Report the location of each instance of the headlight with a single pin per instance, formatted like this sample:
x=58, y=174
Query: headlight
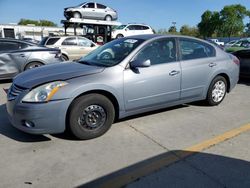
x=44, y=92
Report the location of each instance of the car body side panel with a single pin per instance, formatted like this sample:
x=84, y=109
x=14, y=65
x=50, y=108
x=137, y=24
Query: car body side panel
x=195, y=76
x=151, y=86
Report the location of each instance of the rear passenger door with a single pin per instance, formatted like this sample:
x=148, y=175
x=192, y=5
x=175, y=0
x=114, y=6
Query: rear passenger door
x=69, y=45
x=197, y=63
x=130, y=30
x=100, y=11
x=85, y=46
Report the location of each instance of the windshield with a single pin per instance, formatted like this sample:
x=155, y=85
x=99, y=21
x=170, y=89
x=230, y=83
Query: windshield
x=111, y=53
x=121, y=27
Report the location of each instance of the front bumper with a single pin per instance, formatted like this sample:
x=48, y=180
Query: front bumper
x=47, y=118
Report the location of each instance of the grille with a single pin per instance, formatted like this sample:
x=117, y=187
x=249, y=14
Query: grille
x=14, y=92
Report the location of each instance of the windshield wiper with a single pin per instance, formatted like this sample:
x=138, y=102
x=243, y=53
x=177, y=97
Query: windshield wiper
x=84, y=62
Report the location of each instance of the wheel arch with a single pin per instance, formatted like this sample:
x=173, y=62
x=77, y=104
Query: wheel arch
x=32, y=61
x=105, y=93
x=65, y=54
x=227, y=79
x=109, y=16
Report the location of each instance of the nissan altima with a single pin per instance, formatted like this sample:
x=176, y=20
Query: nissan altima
x=124, y=77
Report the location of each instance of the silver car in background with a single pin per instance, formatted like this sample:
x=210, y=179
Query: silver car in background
x=17, y=56
x=91, y=10
x=142, y=73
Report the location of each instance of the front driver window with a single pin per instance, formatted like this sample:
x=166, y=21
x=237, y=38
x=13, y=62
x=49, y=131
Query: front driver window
x=158, y=52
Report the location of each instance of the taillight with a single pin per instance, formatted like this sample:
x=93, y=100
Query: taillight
x=235, y=59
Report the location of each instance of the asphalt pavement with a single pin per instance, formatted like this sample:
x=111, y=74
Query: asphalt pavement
x=150, y=150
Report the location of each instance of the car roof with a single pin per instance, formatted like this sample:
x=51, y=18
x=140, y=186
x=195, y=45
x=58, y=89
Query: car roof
x=16, y=40
x=151, y=36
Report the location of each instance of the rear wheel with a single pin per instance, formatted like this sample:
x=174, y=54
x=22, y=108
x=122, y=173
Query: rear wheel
x=90, y=116
x=64, y=57
x=108, y=18
x=217, y=91
x=32, y=65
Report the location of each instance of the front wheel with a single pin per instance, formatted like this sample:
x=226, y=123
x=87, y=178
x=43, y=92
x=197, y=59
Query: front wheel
x=217, y=91
x=90, y=116
x=77, y=15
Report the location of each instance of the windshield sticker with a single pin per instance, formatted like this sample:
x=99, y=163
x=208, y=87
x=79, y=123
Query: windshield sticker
x=132, y=41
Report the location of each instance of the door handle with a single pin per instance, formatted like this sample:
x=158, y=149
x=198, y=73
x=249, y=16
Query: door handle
x=22, y=55
x=212, y=64
x=174, y=72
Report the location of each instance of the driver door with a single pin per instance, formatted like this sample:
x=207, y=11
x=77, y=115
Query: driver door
x=157, y=84
x=88, y=11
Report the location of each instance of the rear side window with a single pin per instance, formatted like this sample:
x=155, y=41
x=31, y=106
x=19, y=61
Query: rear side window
x=192, y=49
x=131, y=27
x=70, y=42
x=145, y=27
x=6, y=46
x=101, y=6
x=52, y=41
x=84, y=42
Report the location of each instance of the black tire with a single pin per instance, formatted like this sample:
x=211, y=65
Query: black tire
x=64, y=57
x=108, y=18
x=32, y=65
x=119, y=36
x=90, y=116
x=211, y=99
x=77, y=15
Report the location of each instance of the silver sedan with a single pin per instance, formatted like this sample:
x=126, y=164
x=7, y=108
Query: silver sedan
x=127, y=76
x=17, y=56
x=91, y=10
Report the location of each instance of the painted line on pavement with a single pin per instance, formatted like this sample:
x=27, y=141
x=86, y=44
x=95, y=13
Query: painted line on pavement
x=134, y=172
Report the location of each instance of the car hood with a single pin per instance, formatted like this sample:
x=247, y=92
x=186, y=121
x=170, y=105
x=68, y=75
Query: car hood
x=55, y=72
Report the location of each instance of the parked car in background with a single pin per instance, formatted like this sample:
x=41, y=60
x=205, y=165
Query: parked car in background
x=217, y=42
x=244, y=57
x=30, y=40
x=91, y=10
x=231, y=43
x=145, y=73
x=72, y=47
x=240, y=45
x=131, y=29
x=17, y=56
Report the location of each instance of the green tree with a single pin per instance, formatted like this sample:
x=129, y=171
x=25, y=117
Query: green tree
x=47, y=23
x=172, y=29
x=162, y=31
x=232, y=20
x=36, y=23
x=209, y=24
x=247, y=31
x=189, y=31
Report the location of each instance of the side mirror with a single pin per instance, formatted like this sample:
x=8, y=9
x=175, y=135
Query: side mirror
x=142, y=64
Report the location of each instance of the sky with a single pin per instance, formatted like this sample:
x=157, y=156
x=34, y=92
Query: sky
x=156, y=13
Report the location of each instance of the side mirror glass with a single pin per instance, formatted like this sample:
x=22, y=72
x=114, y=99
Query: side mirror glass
x=137, y=63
